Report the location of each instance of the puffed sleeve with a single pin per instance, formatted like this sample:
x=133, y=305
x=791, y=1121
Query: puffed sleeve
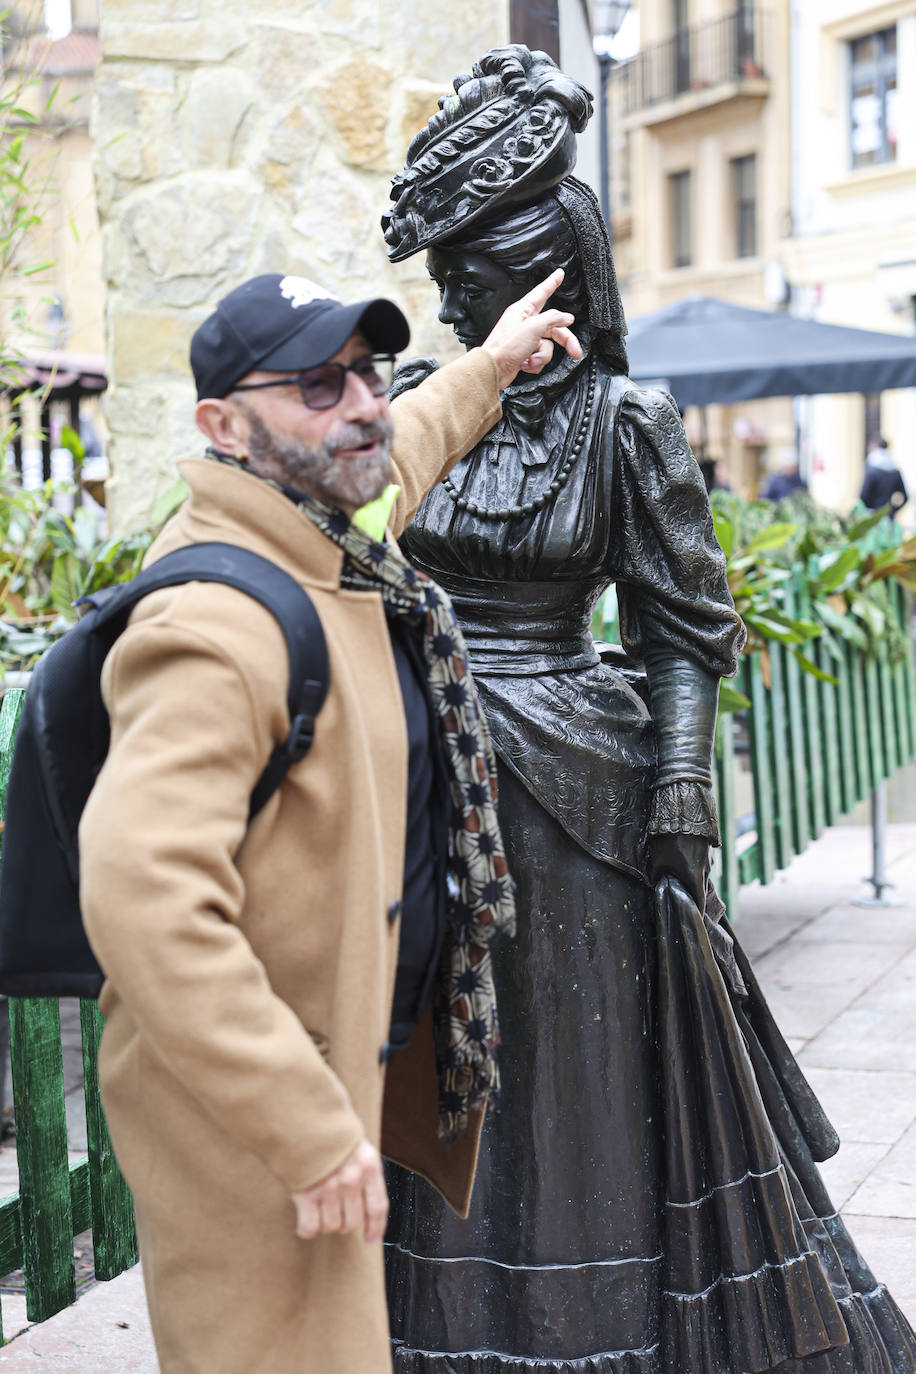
x=669, y=569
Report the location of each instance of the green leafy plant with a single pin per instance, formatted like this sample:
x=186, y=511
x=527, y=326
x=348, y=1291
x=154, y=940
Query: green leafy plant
x=845, y=562
x=49, y=559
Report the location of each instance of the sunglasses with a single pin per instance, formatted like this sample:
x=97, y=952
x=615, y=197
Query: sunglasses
x=322, y=387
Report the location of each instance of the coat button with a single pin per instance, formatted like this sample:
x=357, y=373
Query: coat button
x=394, y=912
x=384, y=1053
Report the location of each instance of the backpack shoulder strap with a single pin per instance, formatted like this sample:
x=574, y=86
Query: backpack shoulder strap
x=279, y=593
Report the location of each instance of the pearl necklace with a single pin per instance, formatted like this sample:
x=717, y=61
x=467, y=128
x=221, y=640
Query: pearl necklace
x=556, y=486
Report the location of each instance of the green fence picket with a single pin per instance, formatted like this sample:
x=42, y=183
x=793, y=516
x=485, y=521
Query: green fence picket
x=759, y=730
x=114, y=1236
x=779, y=756
x=860, y=723
x=846, y=741
x=830, y=739
x=877, y=769
x=798, y=765
x=41, y=1152
x=725, y=788
x=810, y=696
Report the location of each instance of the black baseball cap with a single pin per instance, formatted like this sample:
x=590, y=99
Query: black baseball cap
x=282, y=324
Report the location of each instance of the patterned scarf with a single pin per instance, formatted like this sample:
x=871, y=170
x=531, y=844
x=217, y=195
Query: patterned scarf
x=480, y=901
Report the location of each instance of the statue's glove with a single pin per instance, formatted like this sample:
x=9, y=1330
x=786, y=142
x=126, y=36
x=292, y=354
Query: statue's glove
x=682, y=817
x=685, y=857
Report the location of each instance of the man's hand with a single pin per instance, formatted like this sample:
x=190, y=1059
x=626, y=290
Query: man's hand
x=353, y=1198
x=523, y=338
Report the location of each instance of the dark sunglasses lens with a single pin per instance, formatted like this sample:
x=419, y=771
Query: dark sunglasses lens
x=322, y=387
x=376, y=372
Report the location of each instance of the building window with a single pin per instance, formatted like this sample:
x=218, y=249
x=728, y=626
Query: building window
x=873, y=98
x=744, y=199
x=681, y=219
x=680, y=20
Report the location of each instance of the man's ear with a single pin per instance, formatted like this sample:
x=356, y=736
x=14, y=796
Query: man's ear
x=223, y=424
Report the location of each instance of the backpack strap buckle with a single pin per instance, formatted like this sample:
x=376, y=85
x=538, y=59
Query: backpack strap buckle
x=299, y=740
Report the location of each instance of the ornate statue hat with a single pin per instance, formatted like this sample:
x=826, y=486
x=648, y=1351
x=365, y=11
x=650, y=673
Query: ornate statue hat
x=505, y=137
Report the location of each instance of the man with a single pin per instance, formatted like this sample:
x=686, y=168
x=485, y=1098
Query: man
x=251, y=970
x=786, y=480
x=882, y=484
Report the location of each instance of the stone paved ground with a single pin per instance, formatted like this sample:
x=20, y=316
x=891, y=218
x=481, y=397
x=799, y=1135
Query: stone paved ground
x=842, y=982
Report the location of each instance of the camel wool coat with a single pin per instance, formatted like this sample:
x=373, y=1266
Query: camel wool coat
x=250, y=969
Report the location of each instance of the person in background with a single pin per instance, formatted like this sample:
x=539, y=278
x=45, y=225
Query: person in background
x=882, y=484
x=785, y=480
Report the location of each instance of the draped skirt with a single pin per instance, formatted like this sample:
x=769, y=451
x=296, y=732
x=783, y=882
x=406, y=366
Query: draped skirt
x=647, y=1199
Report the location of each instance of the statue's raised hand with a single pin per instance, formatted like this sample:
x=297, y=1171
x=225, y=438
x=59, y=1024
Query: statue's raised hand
x=524, y=336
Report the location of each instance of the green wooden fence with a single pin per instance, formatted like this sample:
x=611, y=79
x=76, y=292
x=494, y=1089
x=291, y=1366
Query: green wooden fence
x=56, y=1199
x=816, y=749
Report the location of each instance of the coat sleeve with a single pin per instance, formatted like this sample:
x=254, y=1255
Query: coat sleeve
x=438, y=422
x=161, y=893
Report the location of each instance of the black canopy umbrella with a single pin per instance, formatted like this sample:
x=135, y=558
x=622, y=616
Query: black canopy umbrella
x=706, y=351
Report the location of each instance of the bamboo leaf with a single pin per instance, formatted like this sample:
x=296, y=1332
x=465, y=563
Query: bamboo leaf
x=730, y=699
x=868, y=522
x=771, y=537
x=842, y=624
x=835, y=567
x=725, y=532
x=811, y=667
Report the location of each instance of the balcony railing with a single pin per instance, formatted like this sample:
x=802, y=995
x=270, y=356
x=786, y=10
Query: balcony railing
x=724, y=51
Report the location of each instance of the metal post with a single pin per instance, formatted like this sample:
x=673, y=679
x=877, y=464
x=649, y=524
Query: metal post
x=878, y=878
x=604, y=130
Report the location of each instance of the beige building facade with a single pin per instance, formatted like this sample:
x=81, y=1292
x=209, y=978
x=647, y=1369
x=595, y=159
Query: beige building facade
x=852, y=257
x=702, y=121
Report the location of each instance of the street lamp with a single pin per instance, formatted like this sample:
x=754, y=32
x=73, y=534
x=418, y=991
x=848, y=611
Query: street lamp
x=609, y=16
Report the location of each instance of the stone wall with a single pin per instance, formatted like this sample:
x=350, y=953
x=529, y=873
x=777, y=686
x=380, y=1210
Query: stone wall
x=240, y=136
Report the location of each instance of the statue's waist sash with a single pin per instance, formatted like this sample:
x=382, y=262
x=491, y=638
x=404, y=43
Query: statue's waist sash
x=519, y=629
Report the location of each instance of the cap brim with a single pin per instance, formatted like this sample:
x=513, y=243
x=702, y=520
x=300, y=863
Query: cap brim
x=381, y=322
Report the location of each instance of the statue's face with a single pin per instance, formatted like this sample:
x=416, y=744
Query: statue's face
x=474, y=291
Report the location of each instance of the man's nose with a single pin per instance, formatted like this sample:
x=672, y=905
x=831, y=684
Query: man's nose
x=359, y=403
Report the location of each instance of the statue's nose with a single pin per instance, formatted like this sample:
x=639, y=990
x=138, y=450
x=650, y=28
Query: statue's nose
x=451, y=310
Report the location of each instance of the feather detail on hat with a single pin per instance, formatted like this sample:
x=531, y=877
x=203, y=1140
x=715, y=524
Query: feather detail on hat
x=507, y=135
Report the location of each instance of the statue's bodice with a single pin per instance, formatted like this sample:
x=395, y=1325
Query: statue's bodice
x=524, y=588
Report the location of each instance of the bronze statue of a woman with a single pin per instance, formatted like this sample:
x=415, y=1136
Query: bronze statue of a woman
x=647, y=1199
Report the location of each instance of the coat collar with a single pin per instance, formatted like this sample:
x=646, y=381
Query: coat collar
x=260, y=517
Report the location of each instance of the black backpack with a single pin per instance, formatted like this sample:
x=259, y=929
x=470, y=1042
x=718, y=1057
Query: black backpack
x=62, y=742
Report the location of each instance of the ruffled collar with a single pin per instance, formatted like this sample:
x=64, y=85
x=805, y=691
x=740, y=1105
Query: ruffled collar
x=527, y=402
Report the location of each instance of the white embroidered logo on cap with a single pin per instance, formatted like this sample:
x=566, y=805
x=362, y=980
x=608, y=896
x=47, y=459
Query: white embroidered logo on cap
x=300, y=291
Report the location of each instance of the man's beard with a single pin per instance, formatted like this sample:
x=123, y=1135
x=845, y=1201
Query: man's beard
x=344, y=482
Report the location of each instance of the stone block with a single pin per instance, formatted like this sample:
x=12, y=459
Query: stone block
x=190, y=41
x=357, y=20
x=290, y=56
x=339, y=216
x=287, y=154
x=153, y=11
x=419, y=103
x=187, y=240
x=440, y=45
x=218, y=100
x=355, y=98
x=146, y=344
x=118, y=154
